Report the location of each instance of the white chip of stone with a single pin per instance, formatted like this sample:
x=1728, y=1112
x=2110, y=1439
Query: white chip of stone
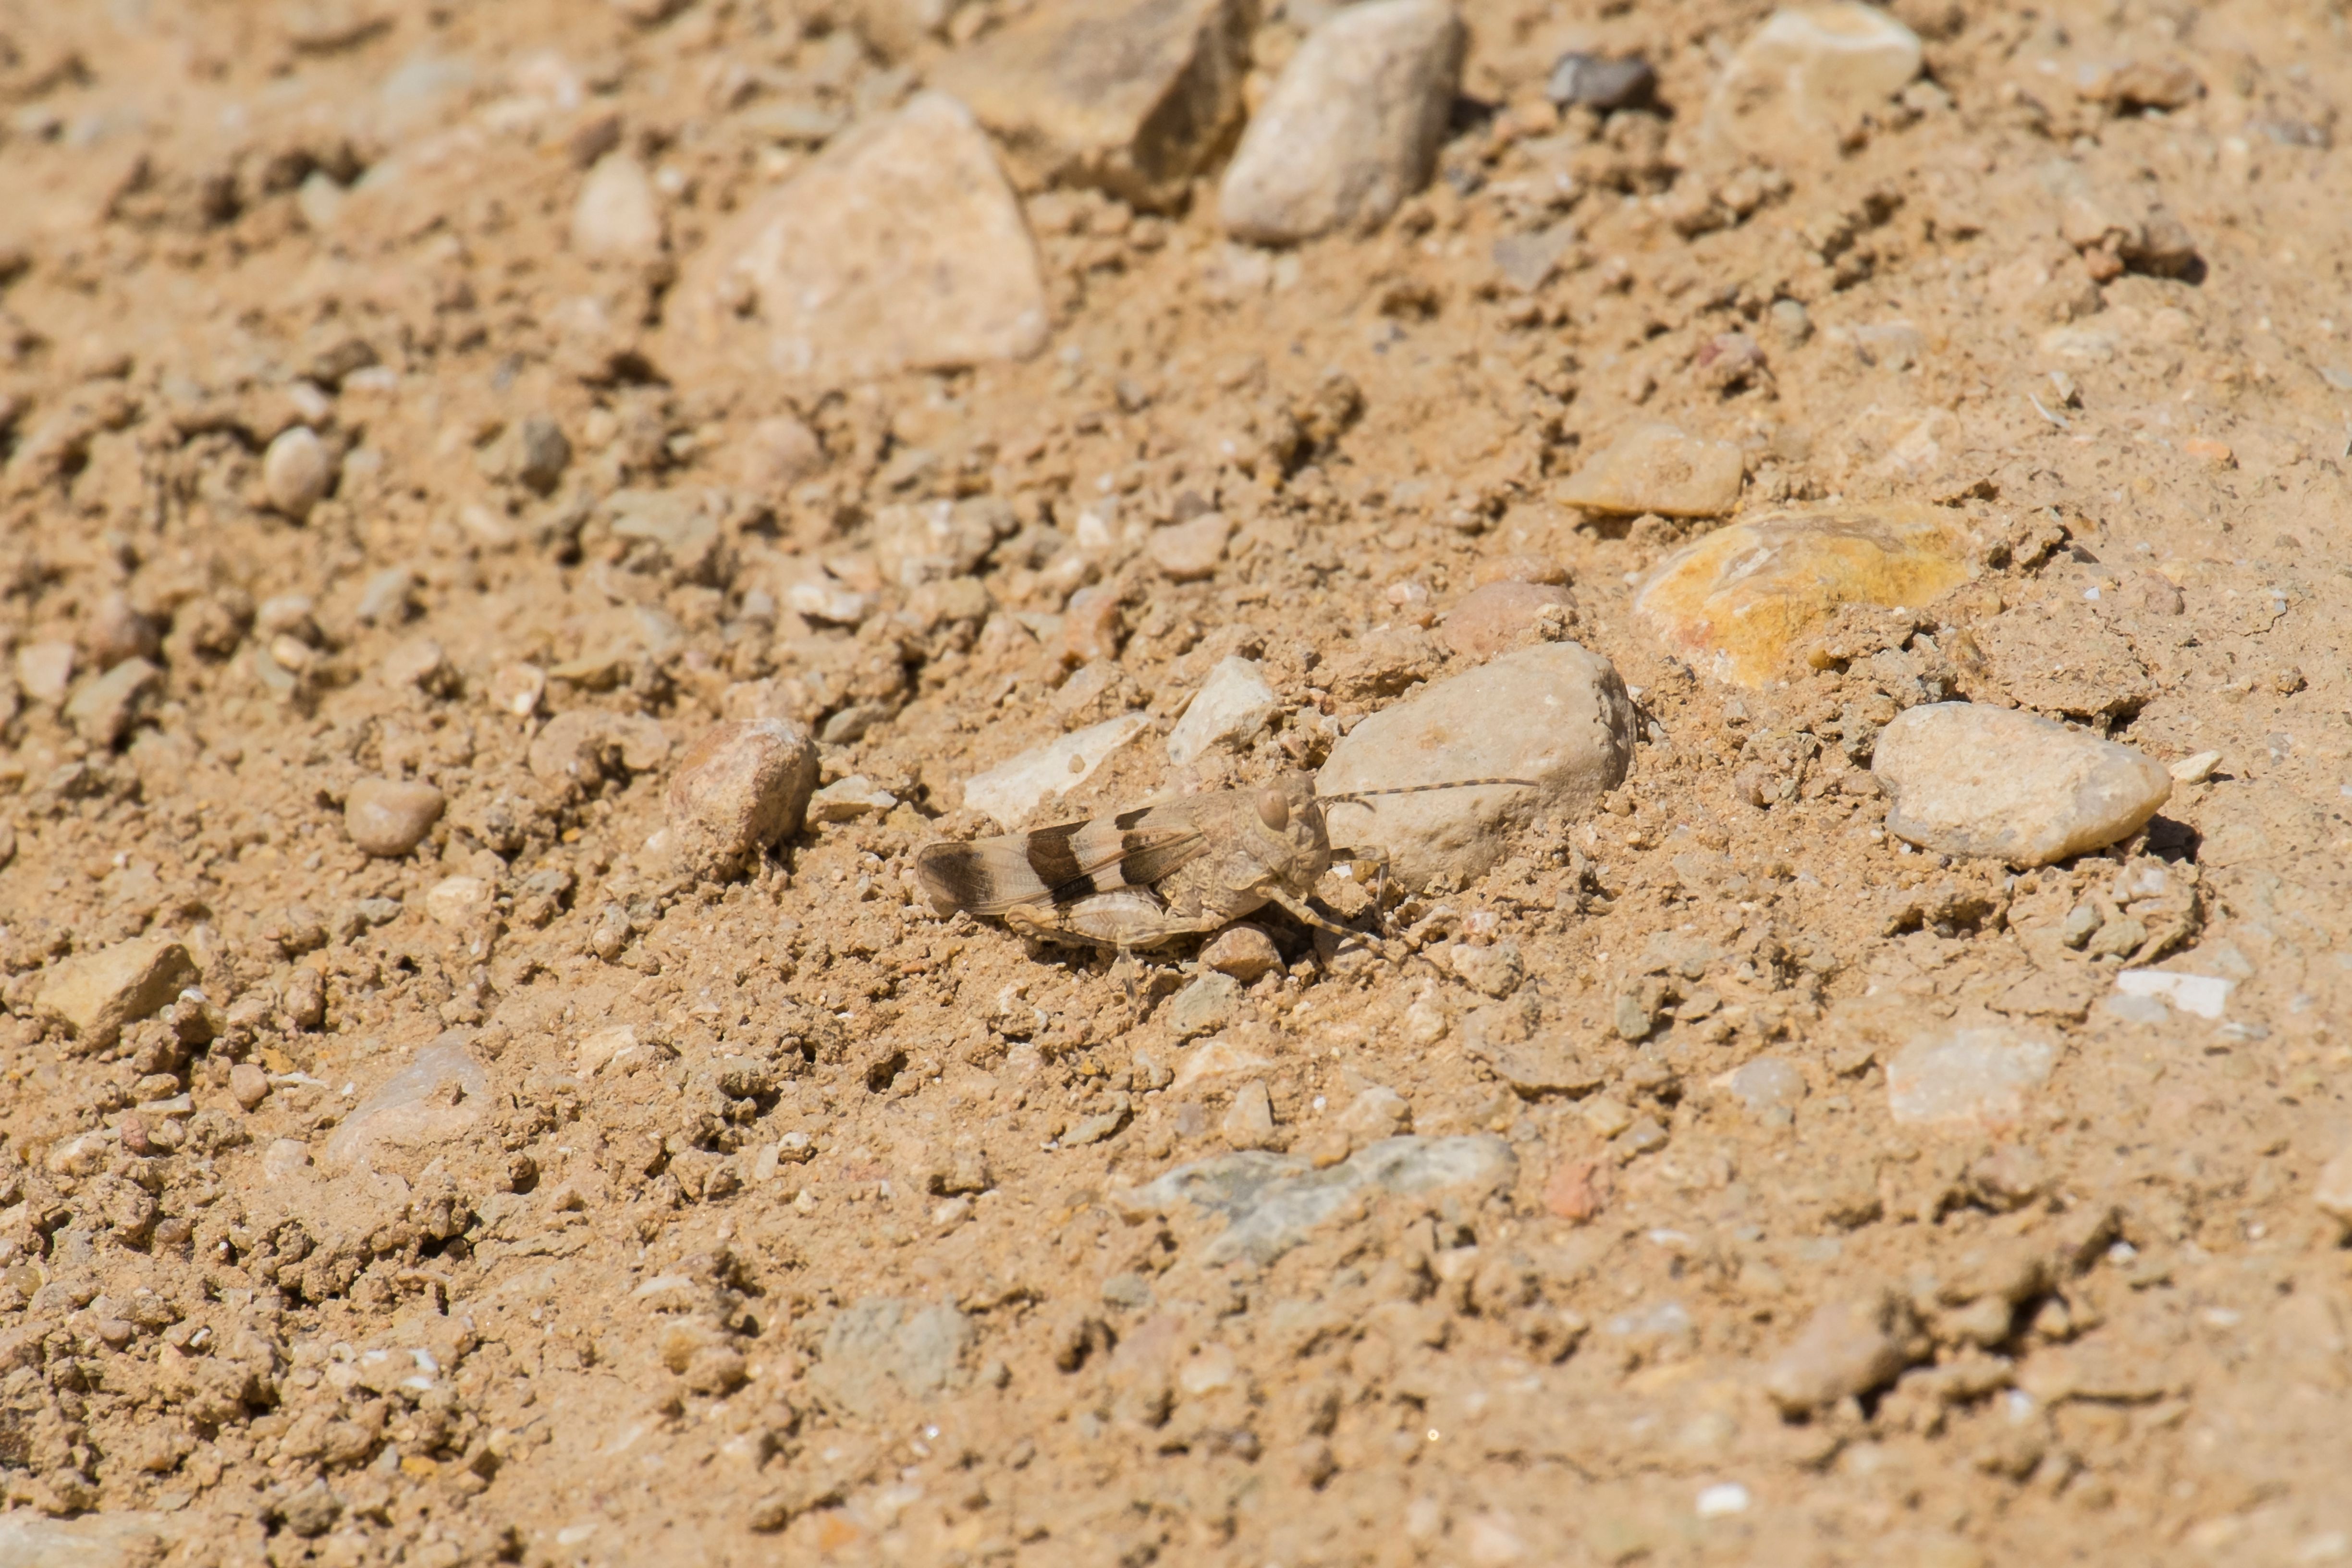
x=2196, y=769
x=2206, y=995
x=1723, y=1499
x=1011, y=791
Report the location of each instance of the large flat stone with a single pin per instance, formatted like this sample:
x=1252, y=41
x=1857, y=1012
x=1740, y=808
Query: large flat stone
x=1969, y=779
x=439, y=1096
x=900, y=246
x=1010, y=791
x=1557, y=716
x=1134, y=98
x=1274, y=1202
x=1737, y=602
x=1659, y=469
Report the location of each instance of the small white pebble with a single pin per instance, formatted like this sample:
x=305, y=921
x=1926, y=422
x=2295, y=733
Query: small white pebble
x=1723, y=1499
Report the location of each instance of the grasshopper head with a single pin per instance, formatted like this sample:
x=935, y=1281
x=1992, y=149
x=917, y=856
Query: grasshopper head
x=1287, y=826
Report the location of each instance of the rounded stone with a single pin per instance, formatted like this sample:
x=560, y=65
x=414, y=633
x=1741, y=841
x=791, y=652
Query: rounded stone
x=297, y=471
x=1492, y=619
x=739, y=789
x=1556, y=716
x=1243, y=951
x=1968, y=779
x=388, y=818
x=1187, y=552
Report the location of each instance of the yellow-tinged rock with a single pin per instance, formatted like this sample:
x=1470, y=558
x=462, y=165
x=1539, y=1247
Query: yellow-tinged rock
x=1737, y=602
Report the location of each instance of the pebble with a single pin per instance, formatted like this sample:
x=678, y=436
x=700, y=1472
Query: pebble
x=617, y=216
x=777, y=453
x=118, y=631
x=247, y=1085
x=1738, y=602
x=2200, y=995
x=1557, y=715
x=388, y=597
x=284, y=1159
x=1204, y=1007
x=1656, y=468
x=1232, y=707
x=95, y=994
x=542, y=452
x=1213, y=1062
x=882, y=1348
x=1803, y=82
x=740, y=789
x=1243, y=950
x=1577, y=1191
x=899, y=247
x=1012, y=790
x=1498, y=616
x=1600, y=83
x=1968, y=779
x=1133, y=97
x=44, y=671
x=419, y=662
x=388, y=818
x=1271, y=1203
x=517, y=689
x=847, y=799
x=455, y=901
x=2139, y=85
x=1966, y=1076
x=1248, y=1121
x=103, y=711
x=436, y=1098
x=1528, y=261
x=297, y=471
x=1189, y=550
x=1352, y=126
x=1845, y=1350
x=1546, y=1066
x=1768, y=1083
x=2334, y=1192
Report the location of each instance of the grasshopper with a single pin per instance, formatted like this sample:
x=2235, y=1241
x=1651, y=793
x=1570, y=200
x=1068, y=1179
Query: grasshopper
x=1158, y=873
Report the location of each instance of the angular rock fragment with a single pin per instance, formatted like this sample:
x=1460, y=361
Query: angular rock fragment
x=1133, y=97
x=1012, y=790
x=1232, y=707
x=439, y=1096
x=1738, y=602
x=95, y=994
x=1352, y=126
x=104, y=710
x=738, y=789
x=1968, y=779
x=1656, y=468
x=1847, y=1348
x=1554, y=715
x=900, y=246
x=1967, y=1077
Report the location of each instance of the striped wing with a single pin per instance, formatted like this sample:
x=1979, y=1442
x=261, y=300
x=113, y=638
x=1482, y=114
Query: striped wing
x=1059, y=865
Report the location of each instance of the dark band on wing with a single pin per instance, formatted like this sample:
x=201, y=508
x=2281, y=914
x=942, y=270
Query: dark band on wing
x=1054, y=858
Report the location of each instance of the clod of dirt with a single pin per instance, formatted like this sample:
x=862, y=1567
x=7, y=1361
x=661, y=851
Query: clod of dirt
x=1243, y=950
x=1352, y=126
x=1968, y=779
x=1655, y=467
x=1740, y=601
x=738, y=790
x=1555, y=716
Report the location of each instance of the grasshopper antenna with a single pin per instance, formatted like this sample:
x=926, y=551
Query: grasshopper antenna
x=1361, y=795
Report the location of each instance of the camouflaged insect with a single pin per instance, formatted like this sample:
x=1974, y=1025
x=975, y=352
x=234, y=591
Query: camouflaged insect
x=1155, y=874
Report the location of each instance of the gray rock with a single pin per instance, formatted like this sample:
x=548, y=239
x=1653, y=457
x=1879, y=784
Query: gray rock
x=739, y=789
x=1598, y=83
x=888, y=1347
x=387, y=817
x=899, y=247
x=1968, y=779
x=1132, y=96
x=1352, y=126
x=1966, y=1076
x=1554, y=715
x=1274, y=1202
x=1232, y=707
x=1204, y=1007
x=437, y=1099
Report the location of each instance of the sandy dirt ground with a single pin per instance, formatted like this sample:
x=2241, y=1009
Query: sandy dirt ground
x=413, y=1153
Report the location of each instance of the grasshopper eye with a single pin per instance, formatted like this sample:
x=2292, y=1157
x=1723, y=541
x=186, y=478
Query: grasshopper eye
x=1273, y=808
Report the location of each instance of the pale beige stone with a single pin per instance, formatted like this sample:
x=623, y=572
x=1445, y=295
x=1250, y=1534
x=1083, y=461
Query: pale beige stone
x=900, y=246
x=1189, y=550
x=388, y=818
x=739, y=789
x=1352, y=127
x=1969, y=779
x=1738, y=602
x=95, y=994
x=1658, y=467
x=438, y=1098
x=617, y=216
x=1134, y=97
x=1967, y=1077
x=1802, y=83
